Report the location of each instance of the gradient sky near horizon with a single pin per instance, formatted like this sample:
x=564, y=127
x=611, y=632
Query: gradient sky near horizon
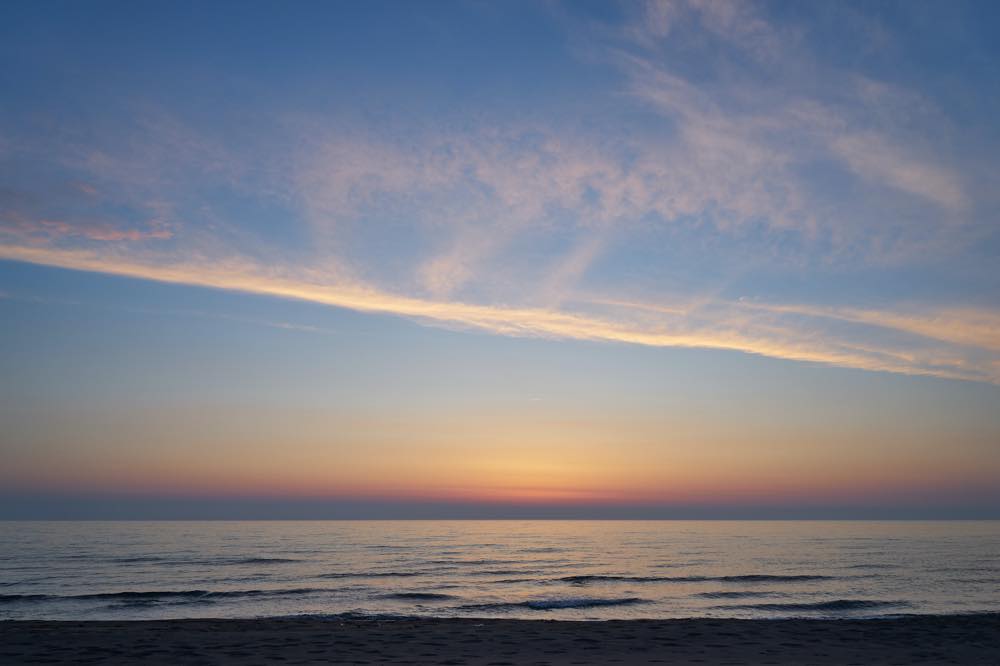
x=668, y=258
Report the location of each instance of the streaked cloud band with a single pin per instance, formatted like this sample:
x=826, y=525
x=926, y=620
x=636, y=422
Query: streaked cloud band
x=958, y=344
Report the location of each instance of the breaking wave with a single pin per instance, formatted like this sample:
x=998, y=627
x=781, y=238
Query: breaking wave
x=748, y=578
x=418, y=596
x=820, y=606
x=160, y=595
x=558, y=603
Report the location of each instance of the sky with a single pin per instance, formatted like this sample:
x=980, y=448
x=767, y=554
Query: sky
x=681, y=259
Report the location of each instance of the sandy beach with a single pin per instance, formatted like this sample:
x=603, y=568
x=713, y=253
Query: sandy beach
x=973, y=639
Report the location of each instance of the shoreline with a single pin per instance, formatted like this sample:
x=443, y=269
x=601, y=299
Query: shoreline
x=912, y=639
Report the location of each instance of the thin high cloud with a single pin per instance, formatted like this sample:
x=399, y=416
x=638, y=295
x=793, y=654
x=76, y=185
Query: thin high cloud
x=778, y=118
x=35, y=231
x=740, y=173
x=937, y=351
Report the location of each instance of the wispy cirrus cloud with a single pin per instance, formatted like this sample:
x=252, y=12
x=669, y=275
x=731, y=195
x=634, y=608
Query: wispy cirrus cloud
x=722, y=169
x=49, y=230
x=970, y=327
x=873, y=157
x=710, y=325
x=768, y=126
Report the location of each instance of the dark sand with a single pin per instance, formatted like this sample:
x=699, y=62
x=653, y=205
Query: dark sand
x=971, y=639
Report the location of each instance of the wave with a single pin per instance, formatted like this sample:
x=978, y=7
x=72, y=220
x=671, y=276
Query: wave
x=14, y=598
x=548, y=604
x=594, y=578
x=222, y=561
x=25, y=581
x=197, y=594
x=371, y=574
x=473, y=563
x=242, y=560
x=146, y=594
x=157, y=595
x=777, y=578
x=557, y=604
x=838, y=605
x=418, y=596
x=731, y=595
x=748, y=578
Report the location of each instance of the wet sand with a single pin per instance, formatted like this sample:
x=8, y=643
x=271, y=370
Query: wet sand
x=970, y=639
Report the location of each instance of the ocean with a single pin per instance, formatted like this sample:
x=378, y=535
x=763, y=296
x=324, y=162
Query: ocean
x=511, y=569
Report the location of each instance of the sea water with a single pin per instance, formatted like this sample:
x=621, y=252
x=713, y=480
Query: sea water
x=523, y=569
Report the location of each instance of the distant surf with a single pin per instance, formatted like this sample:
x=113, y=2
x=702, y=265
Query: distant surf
x=748, y=578
x=419, y=596
x=577, y=570
x=837, y=605
x=557, y=603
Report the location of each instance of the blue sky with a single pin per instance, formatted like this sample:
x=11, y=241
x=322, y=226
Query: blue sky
x=755, y=238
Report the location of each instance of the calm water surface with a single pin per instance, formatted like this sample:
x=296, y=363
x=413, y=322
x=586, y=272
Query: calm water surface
x=529, y=569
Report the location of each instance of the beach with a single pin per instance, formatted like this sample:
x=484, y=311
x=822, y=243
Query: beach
x=931, y=639
x=500, y=592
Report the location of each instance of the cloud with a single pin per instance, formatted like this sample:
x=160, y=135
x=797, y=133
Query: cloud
x=732, y=21
x=712, y=326
x=752, y=138
x=966, y=326
x=732, y=157
x=469, y=196
x=41, y=230
x=872, y=157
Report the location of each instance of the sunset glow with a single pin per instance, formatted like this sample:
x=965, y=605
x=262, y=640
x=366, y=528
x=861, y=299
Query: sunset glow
x=642, y=258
